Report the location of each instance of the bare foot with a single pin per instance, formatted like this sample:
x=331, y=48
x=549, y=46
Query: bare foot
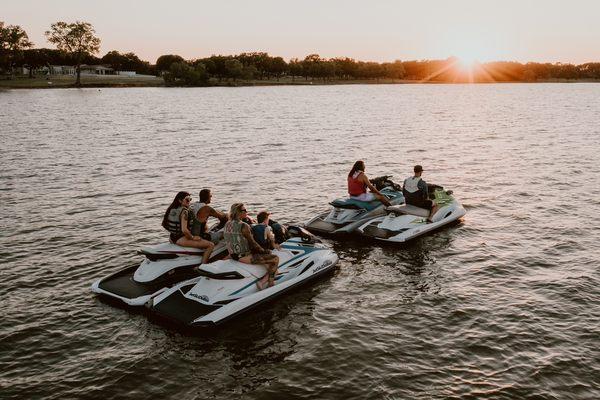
x=261, y=284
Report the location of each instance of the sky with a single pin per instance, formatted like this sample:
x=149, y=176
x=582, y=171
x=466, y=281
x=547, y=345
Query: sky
x=380, y=30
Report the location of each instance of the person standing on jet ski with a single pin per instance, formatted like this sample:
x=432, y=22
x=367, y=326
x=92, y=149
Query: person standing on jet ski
x=416, y=194
x=202, y=211
x=243, y=248
x=358, y=182
x=177, y=220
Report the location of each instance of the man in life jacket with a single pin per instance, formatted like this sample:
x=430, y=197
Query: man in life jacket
x=416, y=194
x=202, y=211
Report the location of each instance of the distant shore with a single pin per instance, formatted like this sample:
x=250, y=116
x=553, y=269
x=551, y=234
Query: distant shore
x=93, y=81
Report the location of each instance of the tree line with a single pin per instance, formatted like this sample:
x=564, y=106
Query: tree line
x=77, y=44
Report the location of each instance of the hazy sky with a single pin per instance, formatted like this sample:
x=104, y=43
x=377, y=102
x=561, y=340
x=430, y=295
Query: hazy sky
x=385, y=30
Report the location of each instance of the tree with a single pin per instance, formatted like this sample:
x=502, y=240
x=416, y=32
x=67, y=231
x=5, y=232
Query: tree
x=234, y=69
x=125, y=62
x=13, y=40
x=36, y=58
x=75, y=38
x=182, y=74
x=164, y=62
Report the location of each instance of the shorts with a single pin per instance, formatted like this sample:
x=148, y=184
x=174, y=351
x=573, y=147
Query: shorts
x=174, y=237
x=364, y=197
x=262, y=258
x=426, y=204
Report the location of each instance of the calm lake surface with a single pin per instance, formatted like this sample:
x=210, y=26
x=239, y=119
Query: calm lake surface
x=504, y=305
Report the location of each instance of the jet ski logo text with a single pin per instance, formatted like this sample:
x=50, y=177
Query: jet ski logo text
x=200, y=297
x=322, y=266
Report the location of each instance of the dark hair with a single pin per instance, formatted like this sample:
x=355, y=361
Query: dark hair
x=262, y=216
x=204, y=194
x=176, y=203
x=358, y=166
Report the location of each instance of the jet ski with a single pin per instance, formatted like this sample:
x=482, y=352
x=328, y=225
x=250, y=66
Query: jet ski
x=406, y=222
x=227, y=288
x=163, y=266
x=348, y=214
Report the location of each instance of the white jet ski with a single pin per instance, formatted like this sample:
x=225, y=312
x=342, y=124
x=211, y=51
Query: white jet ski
x=227, y=288
x=406, y=222
x=163, y=266
x=348, y=214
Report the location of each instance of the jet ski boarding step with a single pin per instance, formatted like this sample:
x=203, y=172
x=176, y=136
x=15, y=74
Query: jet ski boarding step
x=179, y=309
x=374, y=231
x=122, y=285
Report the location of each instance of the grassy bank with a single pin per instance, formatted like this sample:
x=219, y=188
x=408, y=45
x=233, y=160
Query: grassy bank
x=64, y=81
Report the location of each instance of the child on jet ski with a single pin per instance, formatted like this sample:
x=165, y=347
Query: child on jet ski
x=263, y=233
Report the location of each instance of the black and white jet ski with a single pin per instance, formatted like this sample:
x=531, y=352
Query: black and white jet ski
x=227, y=288
x=348, y=214
x=406, y=222
x=163, y=266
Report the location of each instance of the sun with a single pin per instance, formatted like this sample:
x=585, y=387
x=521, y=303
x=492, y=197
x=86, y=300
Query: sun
x=467, y=59
x=467, y=62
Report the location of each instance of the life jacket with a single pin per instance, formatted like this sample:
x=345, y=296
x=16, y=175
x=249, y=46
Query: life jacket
x=355, y=187
x=197, y=227
x=235, y=240
x=174, y=220
x=411, y=191
x=259, y=232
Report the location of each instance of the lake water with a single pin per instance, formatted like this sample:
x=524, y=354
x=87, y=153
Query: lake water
x=504, y=305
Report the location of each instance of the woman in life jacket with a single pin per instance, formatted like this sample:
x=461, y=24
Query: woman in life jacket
x=243, y=248
x=177, y=220
x=358, y=182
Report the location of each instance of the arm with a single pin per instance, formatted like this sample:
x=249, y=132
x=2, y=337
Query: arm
x=217, y=214
x=422, y=185
x=184, y=226
x=363, y=178
x=248, y=235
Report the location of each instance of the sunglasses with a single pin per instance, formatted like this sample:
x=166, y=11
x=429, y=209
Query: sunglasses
x=188, y=199
x=243, y=210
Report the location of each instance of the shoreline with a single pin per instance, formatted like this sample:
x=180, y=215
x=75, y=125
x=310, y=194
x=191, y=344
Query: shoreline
x=112, y=81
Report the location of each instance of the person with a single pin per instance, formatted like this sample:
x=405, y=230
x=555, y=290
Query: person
x=177, y=221
x=202, y=211
x=263, y=233
x=243, y=248
x=358, y=182
x=416, y=193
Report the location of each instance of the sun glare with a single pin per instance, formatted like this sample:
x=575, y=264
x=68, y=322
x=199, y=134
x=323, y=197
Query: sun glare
x=467, y=62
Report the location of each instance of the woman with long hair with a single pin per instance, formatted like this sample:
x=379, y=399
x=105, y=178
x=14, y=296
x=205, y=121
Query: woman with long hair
x=243, y=248
x=177, y=220
x=358, y=182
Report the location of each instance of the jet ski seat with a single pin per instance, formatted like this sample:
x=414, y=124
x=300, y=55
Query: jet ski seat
x=408, y=210
x=354, y=204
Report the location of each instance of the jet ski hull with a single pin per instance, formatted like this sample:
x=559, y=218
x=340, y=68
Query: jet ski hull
x=207, y=302
x=349, y=214
x=167, y=265
x=401, y=228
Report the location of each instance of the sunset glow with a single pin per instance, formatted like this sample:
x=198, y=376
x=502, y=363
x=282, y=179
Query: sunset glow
x=385, y=31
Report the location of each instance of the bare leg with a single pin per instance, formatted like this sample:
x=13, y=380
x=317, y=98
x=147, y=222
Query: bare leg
x=270, y=262
x=207, y=245
x=434, y=209
x=383, y=199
